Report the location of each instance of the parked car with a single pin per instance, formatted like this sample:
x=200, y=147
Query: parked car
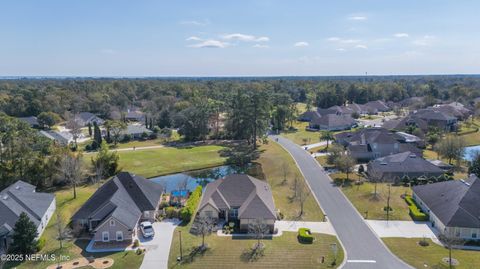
x=147, y=229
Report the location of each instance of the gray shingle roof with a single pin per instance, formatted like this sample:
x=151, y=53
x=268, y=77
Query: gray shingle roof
x=251, y=196
x=455, y=203
x=32, y=120
x=333, y=120
x=378, y=105
x=83, y=118
x=402, y=163
x=124, y=197
x=22, y=197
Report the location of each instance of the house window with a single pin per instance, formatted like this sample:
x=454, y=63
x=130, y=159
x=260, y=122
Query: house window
x=457, y=232
x=105, y=237
x=474, y=233
x=112, y=222
x=119, y=236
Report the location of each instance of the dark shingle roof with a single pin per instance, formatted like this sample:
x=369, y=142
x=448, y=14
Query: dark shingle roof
x=124, y=197
x=378, y=105
x=333, y=120
x=251, y=196
x=32, y=120
x=405, y=162
x=22, y=197
x=455, y=202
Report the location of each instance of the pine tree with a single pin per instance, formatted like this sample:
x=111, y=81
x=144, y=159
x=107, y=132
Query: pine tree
x=24, y=234
x=97, y=136
x=90, y=129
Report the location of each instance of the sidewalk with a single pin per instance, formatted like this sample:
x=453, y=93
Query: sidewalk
x=314, y=145
x=293, y=226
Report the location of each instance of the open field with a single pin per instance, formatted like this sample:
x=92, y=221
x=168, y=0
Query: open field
x=273, y=159
x=362, y=197
x=66, y=207
x=166, y=160
x=298, y=136
x=280, y=252
x=411, y=252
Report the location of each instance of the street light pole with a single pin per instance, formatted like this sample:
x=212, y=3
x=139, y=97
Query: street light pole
x=388, y=203
x=181, y=252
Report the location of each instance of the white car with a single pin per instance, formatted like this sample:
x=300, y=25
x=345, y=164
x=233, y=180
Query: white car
x=147, y=229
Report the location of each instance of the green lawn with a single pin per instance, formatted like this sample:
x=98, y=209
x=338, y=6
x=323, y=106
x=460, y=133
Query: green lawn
x=280, y=252
x=411, y=252
x=272, y=160
x=362, y=197
x=67, y=206
x=301, y=134
x=161, y=161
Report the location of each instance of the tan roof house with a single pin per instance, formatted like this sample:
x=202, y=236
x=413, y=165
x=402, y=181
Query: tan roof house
x=239, y=197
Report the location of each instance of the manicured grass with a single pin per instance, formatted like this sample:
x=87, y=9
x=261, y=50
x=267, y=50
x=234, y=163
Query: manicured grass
x=67, y=206
x=471, y=139
x=272, y=159
x=362, y=197
x=411, y=252
x=166, y=160
x=280, y=252
x=298, y=136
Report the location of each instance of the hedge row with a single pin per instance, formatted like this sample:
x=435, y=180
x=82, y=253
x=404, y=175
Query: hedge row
x=414, y=211
x=187, y=211
x=305, y=236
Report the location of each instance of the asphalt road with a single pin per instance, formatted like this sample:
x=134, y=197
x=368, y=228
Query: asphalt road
x=364, y=250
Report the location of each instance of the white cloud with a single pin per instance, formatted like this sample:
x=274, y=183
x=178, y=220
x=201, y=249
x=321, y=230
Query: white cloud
x=360, y=46
x=426, y=40
x=261, y=46
x=196, y=23
x=340, y=49
x=245, y=38
x=400, y=35
x=210, y=43
x=333, y=38
x=301, y=44
x=343, y=41
x=194, y=38
x=357, y=18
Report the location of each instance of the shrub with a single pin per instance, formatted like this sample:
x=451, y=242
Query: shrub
x=153, y=136
x=136, y=243
x=409, y=200
x=41, y=243
x=170, y=212
x=139, y=251
x=417, y=214
x=305, y=236
x=186, y=212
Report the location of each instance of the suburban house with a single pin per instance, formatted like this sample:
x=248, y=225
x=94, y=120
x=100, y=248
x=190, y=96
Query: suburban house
x=371, y=143
x=331, y=122
x=22, y=197
x=63, y=138
x=135, y=131
x=452, y=206
x=378, y=105
x=239, y=197
x=439, y=119
x=361, y=109
x=394, y=167
x=85, y=118
x=135, y=115
x=404, y=123
x=32, y=121
x=114, y=211
x=308, y=115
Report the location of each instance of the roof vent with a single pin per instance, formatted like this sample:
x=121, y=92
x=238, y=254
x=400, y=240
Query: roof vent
x=383, y=163
x=466, y=183
x=5, y=197
x=17, y=187
x=413, y=156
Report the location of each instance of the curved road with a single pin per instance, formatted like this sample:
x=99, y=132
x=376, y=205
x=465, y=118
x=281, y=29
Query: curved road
x=364, y=250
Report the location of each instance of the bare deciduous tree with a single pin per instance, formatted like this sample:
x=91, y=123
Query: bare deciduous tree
x=285, y=172
x=258, y=228
x=203, y=227
x=75, y=128
x=72, y=171
x=300, y=193
x=450, y=242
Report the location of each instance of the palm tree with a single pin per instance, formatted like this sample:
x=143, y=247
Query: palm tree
x=326, y=135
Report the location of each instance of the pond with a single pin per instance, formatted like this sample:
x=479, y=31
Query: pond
x=190, y=180
x=470, y=152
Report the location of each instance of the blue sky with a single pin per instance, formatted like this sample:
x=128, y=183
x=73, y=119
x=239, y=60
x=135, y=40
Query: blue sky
x=238, y=38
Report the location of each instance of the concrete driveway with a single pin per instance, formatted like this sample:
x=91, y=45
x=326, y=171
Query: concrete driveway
x=405, y=229
x=158, y=247
x=315, y=227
